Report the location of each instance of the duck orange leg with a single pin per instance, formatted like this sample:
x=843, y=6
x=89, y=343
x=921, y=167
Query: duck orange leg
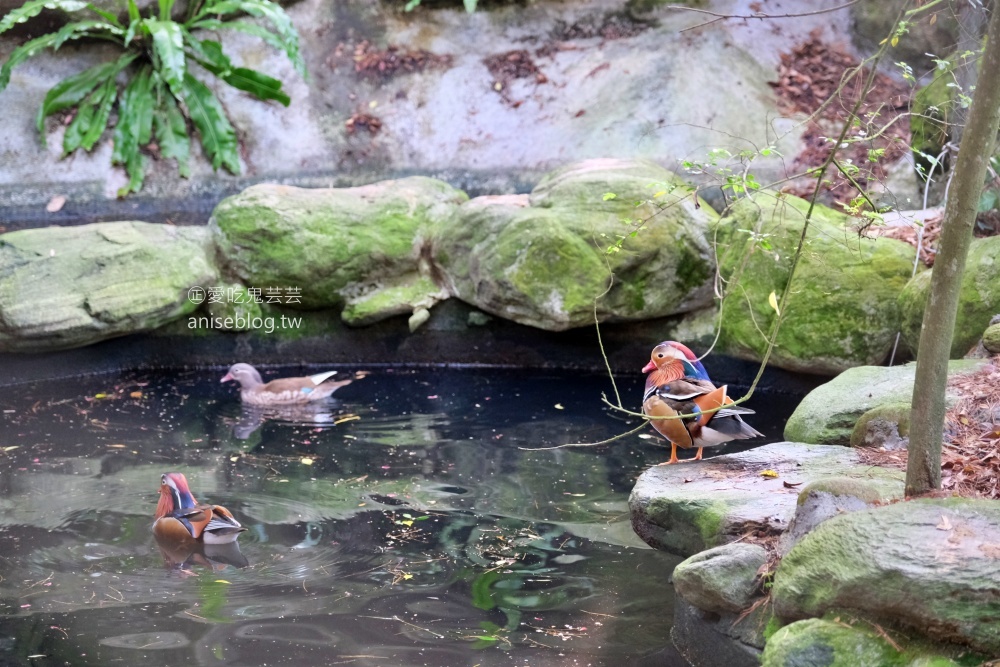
x=697, y=456
x=673, y=456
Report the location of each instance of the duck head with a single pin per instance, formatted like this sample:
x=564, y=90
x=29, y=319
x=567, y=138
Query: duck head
x=245, y=374
x=174, y=494
x=675, y=360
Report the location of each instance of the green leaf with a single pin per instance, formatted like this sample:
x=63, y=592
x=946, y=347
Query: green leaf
x=283, y=27
x=253, y=29
x=91, y=118
x=218, y=137
x=22, y=53
x=209, y=54
x=133, y=11
x=168, y=46
x=166, y=6
x=107, y=16
x=171, y=133
x=81, y=28
x=135, y=120
x=257, y=84
x=988, y=201
x=71, y=90
x=33, y=8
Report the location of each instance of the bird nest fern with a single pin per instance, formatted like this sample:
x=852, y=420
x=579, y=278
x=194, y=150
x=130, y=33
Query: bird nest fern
x=150, y=87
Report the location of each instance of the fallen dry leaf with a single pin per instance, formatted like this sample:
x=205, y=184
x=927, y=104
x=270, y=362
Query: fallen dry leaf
x=55, y=204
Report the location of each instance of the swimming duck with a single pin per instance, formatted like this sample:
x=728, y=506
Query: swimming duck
x=285, y=391
x=676, y=384
x=179, y=517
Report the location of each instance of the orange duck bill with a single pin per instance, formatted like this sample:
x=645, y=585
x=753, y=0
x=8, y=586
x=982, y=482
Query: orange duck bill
x=179, y=517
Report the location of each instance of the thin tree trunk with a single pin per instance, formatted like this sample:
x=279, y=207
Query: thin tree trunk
x=923, y=470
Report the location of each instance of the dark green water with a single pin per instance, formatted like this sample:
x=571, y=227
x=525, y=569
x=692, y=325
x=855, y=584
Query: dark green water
x=404, y=523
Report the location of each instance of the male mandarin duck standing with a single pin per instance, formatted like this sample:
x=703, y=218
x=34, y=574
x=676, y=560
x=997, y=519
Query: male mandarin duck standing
x=286, y=391
x=179, y=517
x=678, y=384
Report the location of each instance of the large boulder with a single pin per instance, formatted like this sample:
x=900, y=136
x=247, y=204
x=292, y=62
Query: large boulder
x=978, y=301
x=339, y=246
x=929, y=563
x=843, y=308
x=63, y=287
x=829, y=413
x=685, y=509
x=542, y=260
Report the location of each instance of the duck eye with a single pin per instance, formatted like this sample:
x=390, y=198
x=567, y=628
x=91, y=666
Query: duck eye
x=659, y=356
x=163, y=479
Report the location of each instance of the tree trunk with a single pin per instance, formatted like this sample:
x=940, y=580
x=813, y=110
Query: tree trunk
x=923, y=470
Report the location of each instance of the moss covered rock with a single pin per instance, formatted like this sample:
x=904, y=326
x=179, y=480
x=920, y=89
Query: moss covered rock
x=541, y=260
x=929, y=563
x=884, y=426
x=828, y=414
x=991, y=339
x=721, y=579
x=335, y=244
x=821, y=643
x=979, y=298
x=63, y=287
x=684, y=511
x=829, y=497
x=843, y=308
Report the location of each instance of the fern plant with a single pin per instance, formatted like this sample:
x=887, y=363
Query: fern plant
x=159, y=97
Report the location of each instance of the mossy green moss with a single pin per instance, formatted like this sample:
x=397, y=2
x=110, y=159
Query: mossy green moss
x=542, y=260
x=382, y=301
x=991, y=339
x=64, y=287
x=820, y=643
x=979, y=298
x=843, y=308
x=324, y=241
x=882, y=417
x=843, y=486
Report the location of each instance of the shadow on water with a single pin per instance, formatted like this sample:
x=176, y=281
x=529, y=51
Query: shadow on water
x=403, y=522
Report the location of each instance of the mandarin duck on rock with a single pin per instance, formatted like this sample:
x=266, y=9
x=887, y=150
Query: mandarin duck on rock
x=678, y=384
x=285, y=391
x=180, y=518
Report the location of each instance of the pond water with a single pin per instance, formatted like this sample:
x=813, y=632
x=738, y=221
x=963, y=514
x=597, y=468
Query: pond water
x=405, y=522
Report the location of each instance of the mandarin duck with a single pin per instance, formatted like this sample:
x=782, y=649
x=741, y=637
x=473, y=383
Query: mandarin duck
x=179, y=517
x=285, y=391
x=678, y=384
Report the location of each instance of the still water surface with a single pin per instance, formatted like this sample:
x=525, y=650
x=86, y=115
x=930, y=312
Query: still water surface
x=405, y=522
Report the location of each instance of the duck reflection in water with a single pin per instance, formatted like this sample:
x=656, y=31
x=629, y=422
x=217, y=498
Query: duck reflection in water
x=185, y=555
x=252, y=417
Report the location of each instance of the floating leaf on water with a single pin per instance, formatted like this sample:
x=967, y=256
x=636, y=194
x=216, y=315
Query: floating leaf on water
x=222, y=581
x=101, y=395
x=116, y=446
x=306, y=461
x=769, y=473
x=136, y=394
x=559, y=406
x=11, y=448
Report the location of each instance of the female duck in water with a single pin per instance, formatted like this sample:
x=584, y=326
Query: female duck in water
x=286, y=391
